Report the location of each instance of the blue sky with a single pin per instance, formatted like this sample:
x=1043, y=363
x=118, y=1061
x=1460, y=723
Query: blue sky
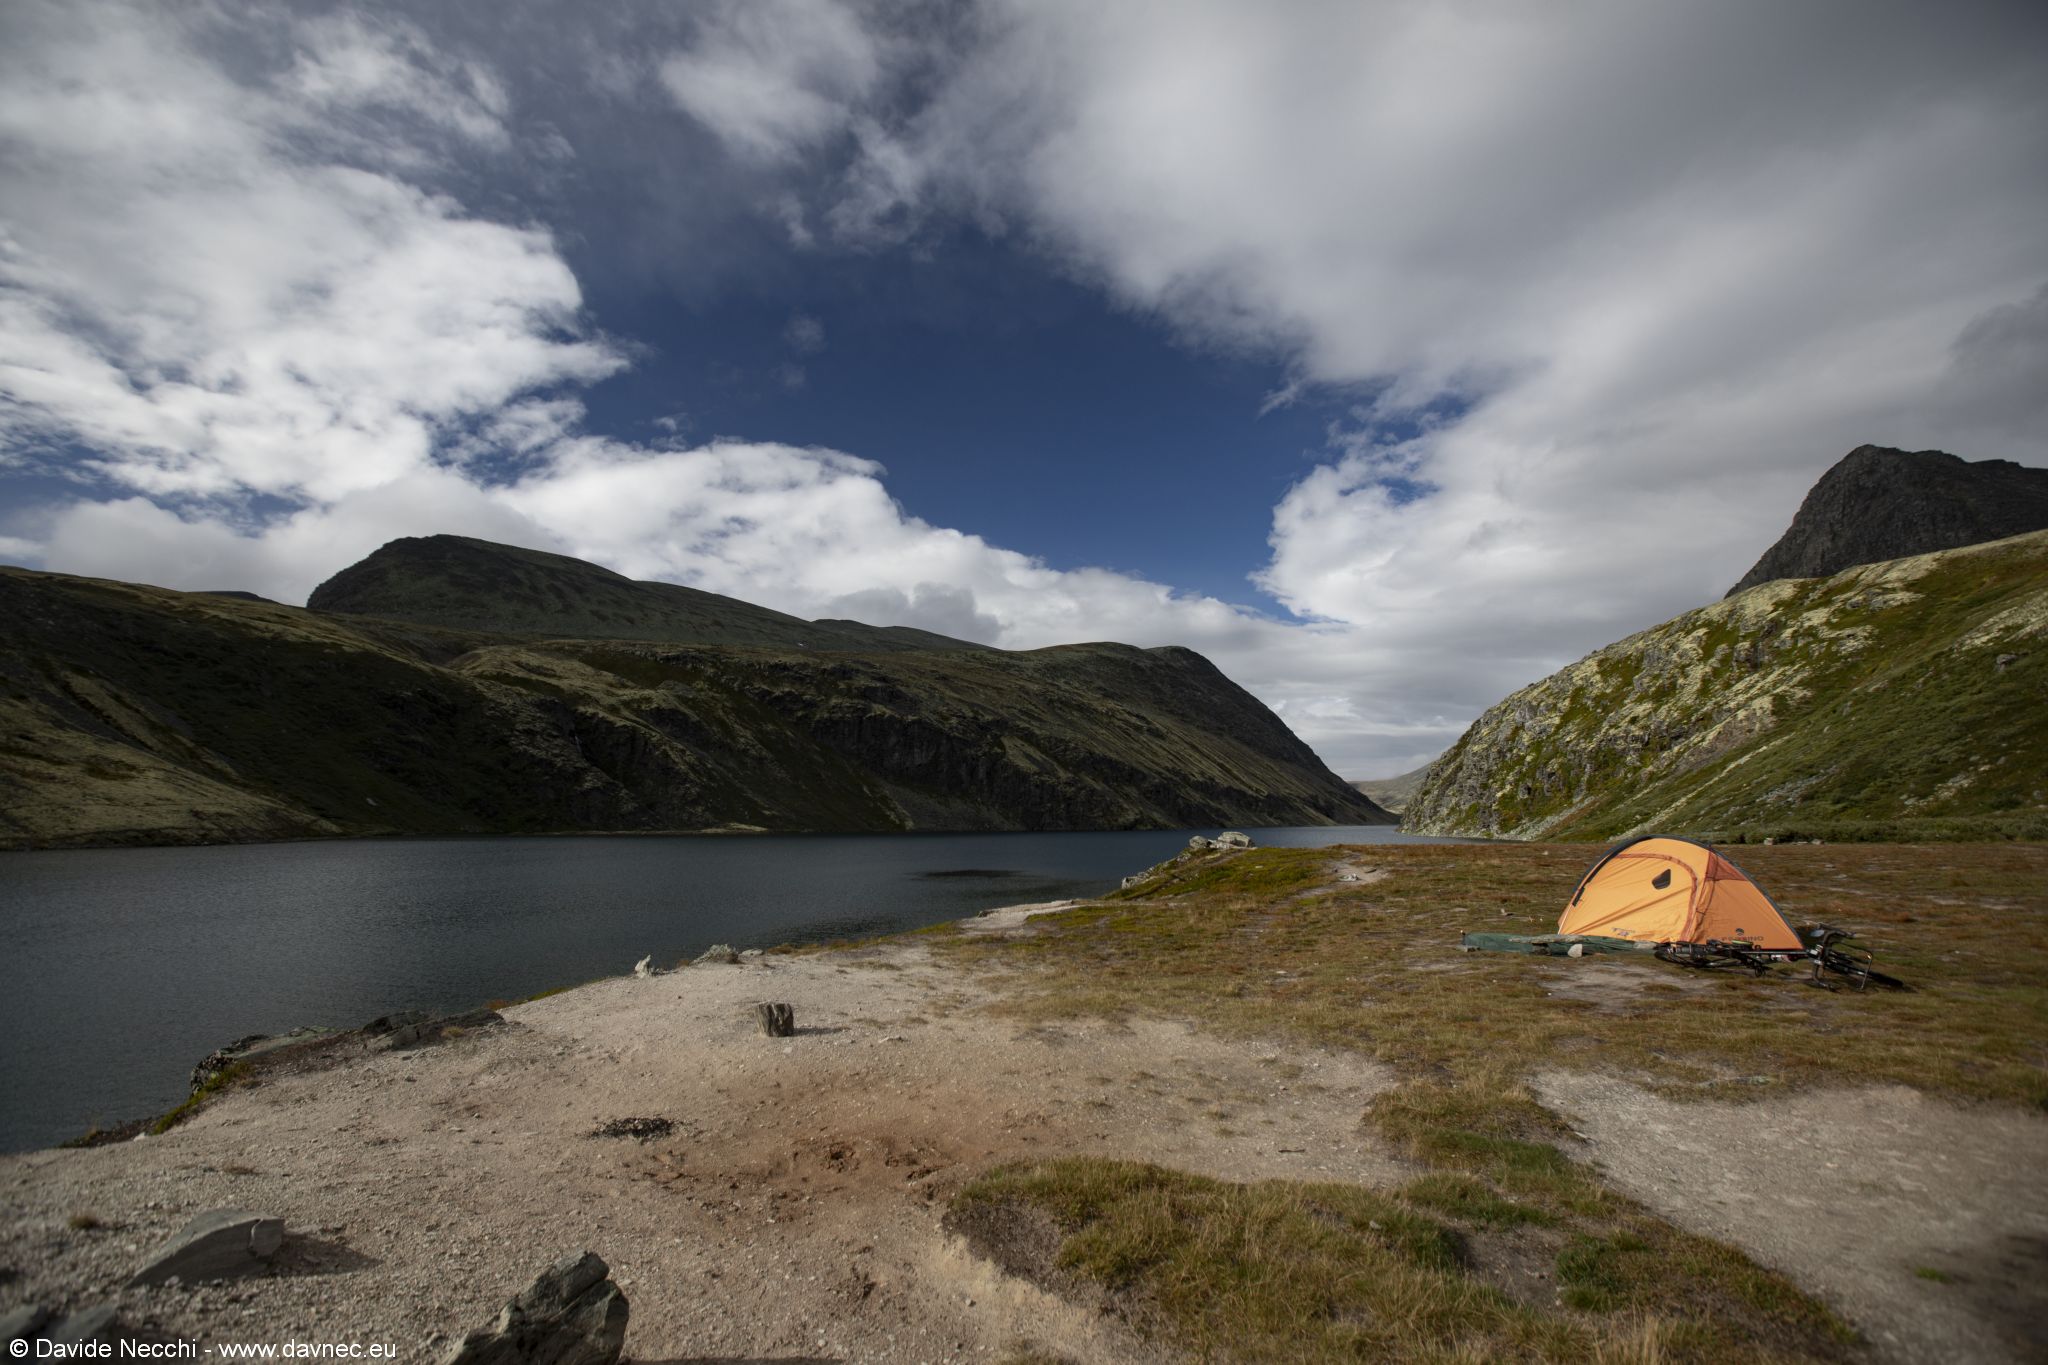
x=1391, y=354
x=1000, y=395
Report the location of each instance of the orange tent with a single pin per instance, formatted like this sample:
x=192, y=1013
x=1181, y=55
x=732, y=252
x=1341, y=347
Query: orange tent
x=1663, y=890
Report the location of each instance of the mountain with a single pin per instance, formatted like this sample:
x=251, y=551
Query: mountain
x=1902, y=699
x=477, y=585
x=1877, y=504
x=1391, y=793
x=133, y=714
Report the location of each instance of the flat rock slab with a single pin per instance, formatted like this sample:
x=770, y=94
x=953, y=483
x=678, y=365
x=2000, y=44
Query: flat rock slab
x=20, y=1324
x=220, y=1244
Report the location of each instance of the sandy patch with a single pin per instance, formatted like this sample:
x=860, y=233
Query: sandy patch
x=1010, y=919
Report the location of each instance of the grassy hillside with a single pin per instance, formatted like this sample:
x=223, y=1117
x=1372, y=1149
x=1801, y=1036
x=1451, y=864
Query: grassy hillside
x=132, y=714
x=1896, y=700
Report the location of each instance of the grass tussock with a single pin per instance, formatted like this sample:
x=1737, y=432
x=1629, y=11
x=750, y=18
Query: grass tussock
x=233, y=1075
x=1284, y=1271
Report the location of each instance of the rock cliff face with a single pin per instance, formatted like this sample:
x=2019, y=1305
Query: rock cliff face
x=1892, y=700
x=132, y=714
x=1877, y=504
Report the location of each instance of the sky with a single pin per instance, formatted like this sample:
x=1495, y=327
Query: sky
x=1390, y=354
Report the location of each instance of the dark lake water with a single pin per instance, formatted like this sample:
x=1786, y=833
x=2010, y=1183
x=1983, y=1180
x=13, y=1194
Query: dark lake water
x=123, y=967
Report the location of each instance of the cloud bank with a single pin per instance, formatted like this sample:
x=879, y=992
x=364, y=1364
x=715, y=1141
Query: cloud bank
x=1605, y=289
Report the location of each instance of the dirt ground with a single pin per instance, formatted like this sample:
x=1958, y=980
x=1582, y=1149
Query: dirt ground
x=793, y=1212
x=1922, y=1222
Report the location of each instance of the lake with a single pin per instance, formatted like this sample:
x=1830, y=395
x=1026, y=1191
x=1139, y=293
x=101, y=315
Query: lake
x=126, y=966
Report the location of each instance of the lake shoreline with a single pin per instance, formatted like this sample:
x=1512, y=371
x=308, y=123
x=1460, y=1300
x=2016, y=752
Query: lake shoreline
x=775, y=1195
x=128, y=965
x=10, y=844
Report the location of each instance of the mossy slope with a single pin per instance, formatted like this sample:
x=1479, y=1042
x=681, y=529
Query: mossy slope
x=1895, y=700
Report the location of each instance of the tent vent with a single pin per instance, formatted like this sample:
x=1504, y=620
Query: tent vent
x=1662, y=879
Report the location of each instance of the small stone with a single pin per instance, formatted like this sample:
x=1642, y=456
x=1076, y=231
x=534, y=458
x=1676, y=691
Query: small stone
x=645, y=1129
x=1231, y=838
x=777, y=1021
x=718, y=954
x=644, y=968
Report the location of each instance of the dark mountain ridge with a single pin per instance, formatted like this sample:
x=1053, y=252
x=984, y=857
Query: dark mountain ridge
x=467, y=584
x=1877, y=504
x=133, y=714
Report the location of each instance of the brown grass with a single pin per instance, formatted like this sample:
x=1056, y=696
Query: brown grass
x=1270, y=943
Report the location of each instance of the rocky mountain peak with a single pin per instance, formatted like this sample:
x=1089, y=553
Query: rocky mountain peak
x=1878, y=504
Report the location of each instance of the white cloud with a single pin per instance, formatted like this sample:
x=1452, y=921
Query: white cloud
x=808, y=531
x=774, y=78
x=1617, y=280
x=350, y=67
x=218, y=314
x=1623, y=279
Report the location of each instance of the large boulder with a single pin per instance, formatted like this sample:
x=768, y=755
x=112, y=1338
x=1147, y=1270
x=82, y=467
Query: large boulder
x=220, y=1244
x=572, y=1314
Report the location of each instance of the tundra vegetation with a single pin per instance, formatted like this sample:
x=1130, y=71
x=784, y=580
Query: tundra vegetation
x=1900, y=700
x=1275, y=943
